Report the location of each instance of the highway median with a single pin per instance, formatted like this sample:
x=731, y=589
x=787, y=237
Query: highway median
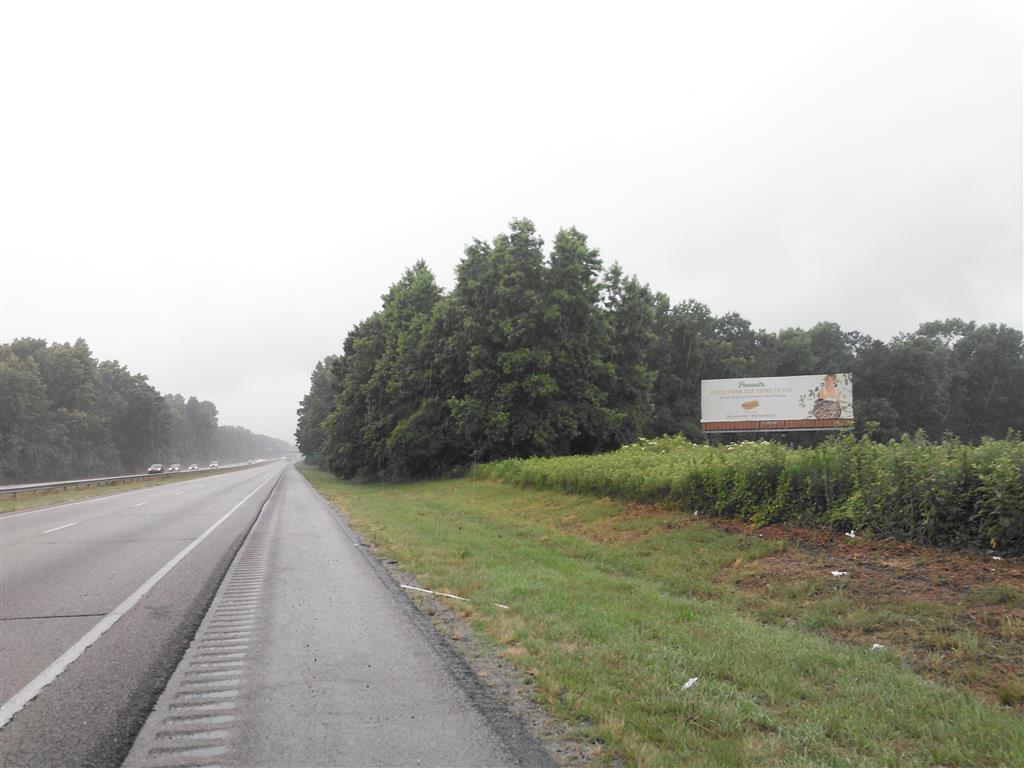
x=78, y=490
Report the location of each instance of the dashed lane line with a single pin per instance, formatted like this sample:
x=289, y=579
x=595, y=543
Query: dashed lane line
x=61, y=527
x=14, y=705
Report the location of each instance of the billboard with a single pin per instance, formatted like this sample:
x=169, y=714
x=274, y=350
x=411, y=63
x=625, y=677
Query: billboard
x=782, y=403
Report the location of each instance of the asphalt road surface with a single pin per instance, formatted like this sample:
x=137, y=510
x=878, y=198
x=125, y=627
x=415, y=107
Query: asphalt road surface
x=226, y=643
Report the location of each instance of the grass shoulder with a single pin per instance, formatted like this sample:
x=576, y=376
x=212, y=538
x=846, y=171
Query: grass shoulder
x=614, y=608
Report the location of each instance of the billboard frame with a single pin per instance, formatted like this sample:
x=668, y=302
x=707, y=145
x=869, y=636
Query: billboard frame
x=833, y=392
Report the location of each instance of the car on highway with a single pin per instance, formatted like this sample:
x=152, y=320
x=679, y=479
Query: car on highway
x=174, y=468
x=214, y=465
x=155, y=469
x=193, y=467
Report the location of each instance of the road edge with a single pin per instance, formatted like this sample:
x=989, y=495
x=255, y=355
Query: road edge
x=525, y=744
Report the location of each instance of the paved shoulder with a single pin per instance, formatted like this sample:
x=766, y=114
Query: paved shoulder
x=309, y=657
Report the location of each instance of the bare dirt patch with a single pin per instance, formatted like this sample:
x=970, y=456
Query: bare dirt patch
x=956, y=617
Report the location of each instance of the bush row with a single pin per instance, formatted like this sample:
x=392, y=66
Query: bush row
x=946, y=493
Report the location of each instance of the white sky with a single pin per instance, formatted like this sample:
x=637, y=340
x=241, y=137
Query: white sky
x=214, y=193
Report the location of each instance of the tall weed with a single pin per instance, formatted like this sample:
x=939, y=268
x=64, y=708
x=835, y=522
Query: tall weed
x=945, y=493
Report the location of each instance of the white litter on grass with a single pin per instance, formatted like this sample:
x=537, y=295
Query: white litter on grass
x=851, y=534
x=445, y=594
x=839, y=573
x=432, y=592
x=690, y=683
x=877, y=647
x=996, y=557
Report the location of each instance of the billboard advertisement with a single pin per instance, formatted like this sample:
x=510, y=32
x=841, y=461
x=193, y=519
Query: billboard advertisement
x=781, y=403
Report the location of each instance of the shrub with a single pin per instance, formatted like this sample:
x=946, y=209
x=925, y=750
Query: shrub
x=944, y=493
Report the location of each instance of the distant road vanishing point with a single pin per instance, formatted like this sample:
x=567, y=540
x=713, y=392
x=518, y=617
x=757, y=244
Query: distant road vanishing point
x=227, y=620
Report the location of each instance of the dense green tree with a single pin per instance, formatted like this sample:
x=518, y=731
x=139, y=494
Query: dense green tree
x=200, y=429
x=506, y=406
x=987, y=383
x=136, y=415
x=77, y=441
x=630, y=308
x=903, y=386
x=315, y=407
x=736, y=349
x=578, y=334
x=832, y=350
x=429, y=441
x=33, y=444
x=684, y=333
x=790, y=352
x=398, y=382
x=176, y=441
x=538, y=355
x=345, y=429
x=63, y=414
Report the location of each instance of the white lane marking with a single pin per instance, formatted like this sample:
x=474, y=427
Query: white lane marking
x=13, y=705
x=9, y=515
x=94, y=499
x=179, y=493
x=141, y=503
x=61, y=527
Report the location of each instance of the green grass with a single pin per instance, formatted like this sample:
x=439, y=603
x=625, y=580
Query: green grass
x=611, y=620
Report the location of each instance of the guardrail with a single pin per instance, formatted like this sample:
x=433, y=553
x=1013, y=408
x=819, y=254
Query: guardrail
x=13, y=490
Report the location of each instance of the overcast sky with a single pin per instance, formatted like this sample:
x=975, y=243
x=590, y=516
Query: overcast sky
x=213, y=193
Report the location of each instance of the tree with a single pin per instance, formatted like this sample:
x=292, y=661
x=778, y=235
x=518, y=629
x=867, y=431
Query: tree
x=33, y=445
x=315, y=407
x=791, y=354
x=630, y=308
x=136, y=414
x=903, y=386
x=578, y=335
x=176, y=444
x=506, y=400
x=63, y=414
x=398, y=382
x=200, y=429
x=987, y=381
x=543, y=355
x=344, y=429
x=684, y=334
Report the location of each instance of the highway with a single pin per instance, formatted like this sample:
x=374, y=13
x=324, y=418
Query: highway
x=167, y=610
x=65, y=569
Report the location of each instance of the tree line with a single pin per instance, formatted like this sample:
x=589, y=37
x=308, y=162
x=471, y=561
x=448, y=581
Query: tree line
x=542, y=354
x=64, y=414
